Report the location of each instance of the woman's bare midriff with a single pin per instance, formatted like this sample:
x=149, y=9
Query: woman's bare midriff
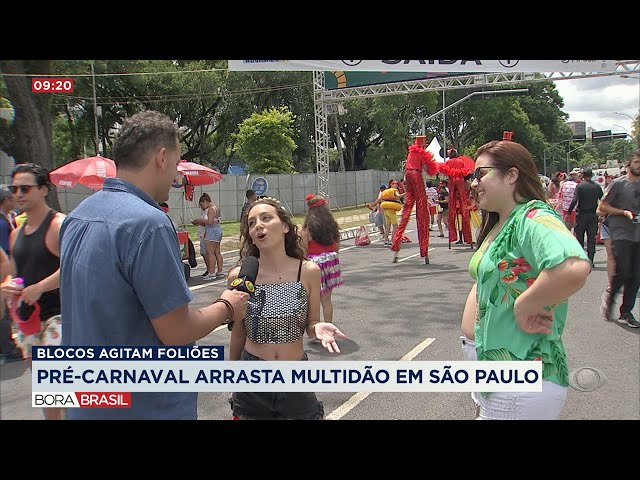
x=276, y=351
x=468, y=328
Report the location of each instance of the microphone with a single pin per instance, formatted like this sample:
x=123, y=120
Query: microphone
x=246, y=279
x=247, y=276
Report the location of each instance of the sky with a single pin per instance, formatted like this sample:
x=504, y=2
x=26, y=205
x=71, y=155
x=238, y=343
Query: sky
x=594, y=101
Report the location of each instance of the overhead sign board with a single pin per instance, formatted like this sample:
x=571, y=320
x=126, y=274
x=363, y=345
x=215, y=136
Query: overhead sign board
x=460, y=66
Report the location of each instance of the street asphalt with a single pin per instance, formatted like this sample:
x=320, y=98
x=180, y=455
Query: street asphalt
x=411, y=311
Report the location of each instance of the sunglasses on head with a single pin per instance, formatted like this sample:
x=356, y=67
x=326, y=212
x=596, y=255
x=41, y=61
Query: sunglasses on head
x=479, y=173
x=23, y=188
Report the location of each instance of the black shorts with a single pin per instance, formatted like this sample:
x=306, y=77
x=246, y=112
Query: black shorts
x=275, y=405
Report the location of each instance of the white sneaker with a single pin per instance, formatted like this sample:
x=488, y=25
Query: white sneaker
x=211, y=276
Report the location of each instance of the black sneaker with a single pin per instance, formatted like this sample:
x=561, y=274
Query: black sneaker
x=629, y=319
x=606, y=306
x=206, y=272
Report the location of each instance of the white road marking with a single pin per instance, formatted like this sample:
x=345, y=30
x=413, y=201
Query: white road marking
x=204, y=285
x=414, y=255
x=353, y=402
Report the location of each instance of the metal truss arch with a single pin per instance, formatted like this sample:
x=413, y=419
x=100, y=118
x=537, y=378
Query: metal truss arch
x=325, y=99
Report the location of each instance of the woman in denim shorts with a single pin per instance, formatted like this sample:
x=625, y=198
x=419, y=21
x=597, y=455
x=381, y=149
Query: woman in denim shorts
x=285, y=305
x=212, y=237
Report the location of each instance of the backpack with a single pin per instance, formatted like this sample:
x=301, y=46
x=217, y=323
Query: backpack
x=192, y=255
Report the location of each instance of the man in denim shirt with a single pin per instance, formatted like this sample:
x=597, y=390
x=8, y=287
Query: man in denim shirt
x=121, y=277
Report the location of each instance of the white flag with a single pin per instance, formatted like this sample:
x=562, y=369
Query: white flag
x=434, y=149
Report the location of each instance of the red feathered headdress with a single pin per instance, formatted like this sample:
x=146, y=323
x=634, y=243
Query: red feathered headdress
x=419, y=156
x=457, y=167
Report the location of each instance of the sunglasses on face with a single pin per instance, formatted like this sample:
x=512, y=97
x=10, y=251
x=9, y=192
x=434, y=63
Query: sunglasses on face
x=23, y=188
x=479, y=172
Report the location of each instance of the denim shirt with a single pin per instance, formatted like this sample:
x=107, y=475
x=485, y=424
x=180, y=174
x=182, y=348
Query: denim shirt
x=120, y=268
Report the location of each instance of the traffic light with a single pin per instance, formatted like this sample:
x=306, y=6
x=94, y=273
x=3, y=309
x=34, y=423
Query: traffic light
x=600, y=136
x=606, y=135
x=616, y=136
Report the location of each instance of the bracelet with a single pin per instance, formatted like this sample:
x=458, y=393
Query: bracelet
x=230, y=310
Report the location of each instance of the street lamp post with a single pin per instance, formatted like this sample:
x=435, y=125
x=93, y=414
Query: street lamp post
x=589, y=145
x=444, y=127
x=624, y=115
x=630, y=117
x=473, y=94
x=545, y=153
x=95, y=109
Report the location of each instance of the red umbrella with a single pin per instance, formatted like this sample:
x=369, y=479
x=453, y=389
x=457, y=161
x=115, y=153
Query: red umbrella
x=198, y=175
x=89, y=171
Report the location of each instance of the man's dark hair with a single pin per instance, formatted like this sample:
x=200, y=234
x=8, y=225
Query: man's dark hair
x=142, y=133
x=632, y=156
x=41, y=173
x=249, y=193
x=587, y=173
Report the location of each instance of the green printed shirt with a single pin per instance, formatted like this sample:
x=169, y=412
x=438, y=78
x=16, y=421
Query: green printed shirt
x=533, y=238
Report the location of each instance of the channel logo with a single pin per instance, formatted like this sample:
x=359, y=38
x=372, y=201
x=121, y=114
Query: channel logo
x=81, y=399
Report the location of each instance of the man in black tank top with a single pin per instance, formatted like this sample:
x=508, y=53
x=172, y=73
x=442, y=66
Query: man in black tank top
x=35, y=256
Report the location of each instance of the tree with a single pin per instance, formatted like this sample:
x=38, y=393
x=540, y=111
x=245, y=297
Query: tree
x=396, y=121
x=635, y=129
x=29, y=139
x=265, y=141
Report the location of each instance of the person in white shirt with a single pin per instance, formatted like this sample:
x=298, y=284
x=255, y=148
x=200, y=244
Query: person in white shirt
x=567, y=191
x=432, y=200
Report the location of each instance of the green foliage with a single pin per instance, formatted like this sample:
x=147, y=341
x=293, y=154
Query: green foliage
x=265, y=141
x=61, y=142
x=211, y=104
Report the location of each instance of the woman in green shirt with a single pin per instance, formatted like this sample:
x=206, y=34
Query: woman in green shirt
x=527, y=266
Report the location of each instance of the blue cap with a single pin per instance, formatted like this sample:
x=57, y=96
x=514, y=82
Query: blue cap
x=383, y=186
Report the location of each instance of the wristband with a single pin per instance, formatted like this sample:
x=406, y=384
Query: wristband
x=230, y=310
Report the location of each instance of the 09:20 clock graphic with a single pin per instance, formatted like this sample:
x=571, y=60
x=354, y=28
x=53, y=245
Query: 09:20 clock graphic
x=52, y=85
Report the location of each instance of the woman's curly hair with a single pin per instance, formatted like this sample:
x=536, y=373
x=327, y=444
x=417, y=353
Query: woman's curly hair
x=291, y=238
x=319, y=221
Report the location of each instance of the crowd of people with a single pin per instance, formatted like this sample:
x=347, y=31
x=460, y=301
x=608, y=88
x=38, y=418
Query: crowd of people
x=530, y=259
x=607, y=213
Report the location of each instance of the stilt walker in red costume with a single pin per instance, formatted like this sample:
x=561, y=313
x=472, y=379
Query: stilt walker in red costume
x=417, y=160
x=457, y=167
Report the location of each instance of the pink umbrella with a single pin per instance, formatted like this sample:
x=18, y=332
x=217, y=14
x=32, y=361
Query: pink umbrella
x=198, y=175
x=89, y=171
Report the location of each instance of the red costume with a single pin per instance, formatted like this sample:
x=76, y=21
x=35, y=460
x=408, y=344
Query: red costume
x=456, y=168
x=417, y=160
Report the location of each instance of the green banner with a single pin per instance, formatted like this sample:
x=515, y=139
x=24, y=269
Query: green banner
x=335, y=80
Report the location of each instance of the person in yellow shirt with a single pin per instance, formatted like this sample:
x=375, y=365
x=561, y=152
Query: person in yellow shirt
x=20, y=219
x=389, y=200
